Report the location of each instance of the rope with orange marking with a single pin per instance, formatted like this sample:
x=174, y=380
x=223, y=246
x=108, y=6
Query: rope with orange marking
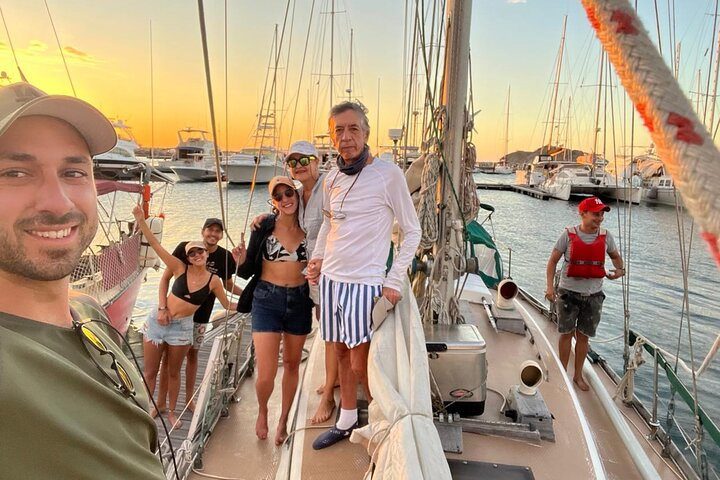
x=685, y=147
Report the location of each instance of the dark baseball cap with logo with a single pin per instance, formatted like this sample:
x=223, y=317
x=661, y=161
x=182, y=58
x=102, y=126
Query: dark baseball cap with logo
x=214, y=221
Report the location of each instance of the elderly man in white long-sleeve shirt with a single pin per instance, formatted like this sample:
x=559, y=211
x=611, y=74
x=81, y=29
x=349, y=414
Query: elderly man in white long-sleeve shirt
x=362, y=197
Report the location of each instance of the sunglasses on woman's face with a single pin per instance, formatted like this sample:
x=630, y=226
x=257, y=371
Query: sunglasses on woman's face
x=195, y=251
x=303, y=161
x=289, y=193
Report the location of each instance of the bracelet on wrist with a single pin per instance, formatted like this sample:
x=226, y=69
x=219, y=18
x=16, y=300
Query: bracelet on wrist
x=162, y=308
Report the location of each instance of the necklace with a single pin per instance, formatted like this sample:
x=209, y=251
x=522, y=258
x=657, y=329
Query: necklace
x=339, y=214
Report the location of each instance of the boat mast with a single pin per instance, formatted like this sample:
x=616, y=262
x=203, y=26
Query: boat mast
x=557, y=83
x=152, y=101
x=349, y=89
x=713, y=96
x=453, y=100
x=507, y=128
x=332, y=48
x=597, y=107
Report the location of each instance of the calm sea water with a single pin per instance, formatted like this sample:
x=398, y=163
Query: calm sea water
x=528, y=228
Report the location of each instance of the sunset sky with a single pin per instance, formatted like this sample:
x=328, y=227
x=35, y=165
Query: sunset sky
x=514, y=43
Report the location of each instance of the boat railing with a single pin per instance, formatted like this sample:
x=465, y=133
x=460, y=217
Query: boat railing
x=102, y=274
x=230, y=360
x=705, y=436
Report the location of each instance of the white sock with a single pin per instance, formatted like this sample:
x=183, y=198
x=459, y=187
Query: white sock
x=347, y=419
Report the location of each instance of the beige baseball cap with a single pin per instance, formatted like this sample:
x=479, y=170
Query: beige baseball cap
x=22, y=99
x=194, y=244
x=280, y=180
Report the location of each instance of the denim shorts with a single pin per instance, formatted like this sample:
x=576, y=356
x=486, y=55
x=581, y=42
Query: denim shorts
x=279, y=309
x=178, y=332
x=576, y=310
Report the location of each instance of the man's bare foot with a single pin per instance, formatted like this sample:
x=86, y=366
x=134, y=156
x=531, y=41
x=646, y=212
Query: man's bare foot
x=324, y=410
x=281, y=434
x=191, y=406
x=261, y=426
x=581, y=384
x=175, y=422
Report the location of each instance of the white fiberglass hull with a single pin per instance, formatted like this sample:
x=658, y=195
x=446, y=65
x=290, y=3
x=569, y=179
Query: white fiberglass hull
x=243, y=173
x=561, y=191
x=195, y=174
x=625, y=194
x=662, y=196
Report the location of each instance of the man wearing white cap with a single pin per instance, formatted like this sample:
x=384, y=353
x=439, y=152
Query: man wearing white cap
x=579, y=296
x=73, y=405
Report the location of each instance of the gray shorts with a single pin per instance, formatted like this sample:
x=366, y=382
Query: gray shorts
x=577, y=310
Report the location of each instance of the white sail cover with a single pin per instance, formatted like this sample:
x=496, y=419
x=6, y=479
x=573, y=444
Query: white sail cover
x=404, y=443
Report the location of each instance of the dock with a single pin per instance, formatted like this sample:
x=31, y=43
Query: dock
x=182, y=438
x=533, y=192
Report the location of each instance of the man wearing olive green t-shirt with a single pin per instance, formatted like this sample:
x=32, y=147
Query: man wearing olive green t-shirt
x=71, y=404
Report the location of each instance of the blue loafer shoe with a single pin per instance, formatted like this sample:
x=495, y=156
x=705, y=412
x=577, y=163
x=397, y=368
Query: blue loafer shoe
x=332, y=436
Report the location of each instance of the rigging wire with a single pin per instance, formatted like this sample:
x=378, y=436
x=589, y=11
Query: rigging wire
x=302, y=69
x=211, y=104
x=12, y=47
x=624, y=227
x=62, y=53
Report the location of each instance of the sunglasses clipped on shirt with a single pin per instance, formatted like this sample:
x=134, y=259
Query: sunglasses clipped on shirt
x=303, y=161
x=123, y=382
x=289, y=193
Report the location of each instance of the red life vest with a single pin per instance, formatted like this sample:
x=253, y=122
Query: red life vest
x=587, y=260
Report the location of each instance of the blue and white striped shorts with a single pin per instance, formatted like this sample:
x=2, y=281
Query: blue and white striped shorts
x=346, y=311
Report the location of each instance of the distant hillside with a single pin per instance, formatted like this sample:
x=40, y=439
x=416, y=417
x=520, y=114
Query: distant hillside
x=521, y=158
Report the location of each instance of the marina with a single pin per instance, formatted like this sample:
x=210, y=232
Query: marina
x=479, y=364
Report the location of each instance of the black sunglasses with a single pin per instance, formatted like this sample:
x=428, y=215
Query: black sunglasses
x=289, y=193
x=195, y=251
x=123, y=382
x=303, y=161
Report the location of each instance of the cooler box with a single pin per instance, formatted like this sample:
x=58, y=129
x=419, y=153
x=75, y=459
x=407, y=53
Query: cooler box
x=456, y=355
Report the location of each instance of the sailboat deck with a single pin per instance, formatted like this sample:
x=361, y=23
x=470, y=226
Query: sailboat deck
x=235, y=452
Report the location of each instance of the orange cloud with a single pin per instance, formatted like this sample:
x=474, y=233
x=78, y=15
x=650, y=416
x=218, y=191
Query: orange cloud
x=76, y=54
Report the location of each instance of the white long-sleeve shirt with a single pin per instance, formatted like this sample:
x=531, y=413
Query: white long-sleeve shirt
x=355, y=249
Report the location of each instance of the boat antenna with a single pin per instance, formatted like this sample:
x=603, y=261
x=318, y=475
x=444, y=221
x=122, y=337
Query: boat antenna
x=62, y=53
x=12, y=48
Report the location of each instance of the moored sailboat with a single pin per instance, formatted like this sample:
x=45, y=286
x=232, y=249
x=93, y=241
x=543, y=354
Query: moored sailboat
x=113, y=268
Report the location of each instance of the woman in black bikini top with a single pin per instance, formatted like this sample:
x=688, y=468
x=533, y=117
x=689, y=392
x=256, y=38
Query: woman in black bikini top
x=193, y=283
